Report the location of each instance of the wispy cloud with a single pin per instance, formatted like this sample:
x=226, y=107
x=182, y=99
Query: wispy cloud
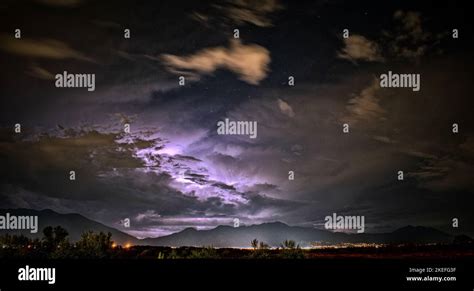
x=449, y=172
x=250, y=62
x=285, y=108
x=406, y=40
x=239, y=12
x=366, y=105
x=410, y=39
x=359, y=48
x=41, y=48
x=40, y=73
x=252, y=11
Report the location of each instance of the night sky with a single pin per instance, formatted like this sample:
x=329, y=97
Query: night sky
x=174, y=171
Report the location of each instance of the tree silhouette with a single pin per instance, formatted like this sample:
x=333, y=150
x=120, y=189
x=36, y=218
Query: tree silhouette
x=48, y=236
x=60, y=234
x=263, y=246
x=54, y=237
x=291, y=250
x=254, y=243
x=289, y=244
x=204, y=253
x=95, y=245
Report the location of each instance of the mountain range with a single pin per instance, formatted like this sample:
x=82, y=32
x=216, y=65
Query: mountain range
x=273, y=233
x=74, y=223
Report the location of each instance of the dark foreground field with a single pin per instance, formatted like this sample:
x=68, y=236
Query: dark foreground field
x=323, y=272
x=96, y=261
x=408, y=251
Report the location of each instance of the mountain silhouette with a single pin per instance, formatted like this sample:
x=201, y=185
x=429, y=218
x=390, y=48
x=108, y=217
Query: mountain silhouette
x=74, y=223
x=273, y=233
x=276, y=232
